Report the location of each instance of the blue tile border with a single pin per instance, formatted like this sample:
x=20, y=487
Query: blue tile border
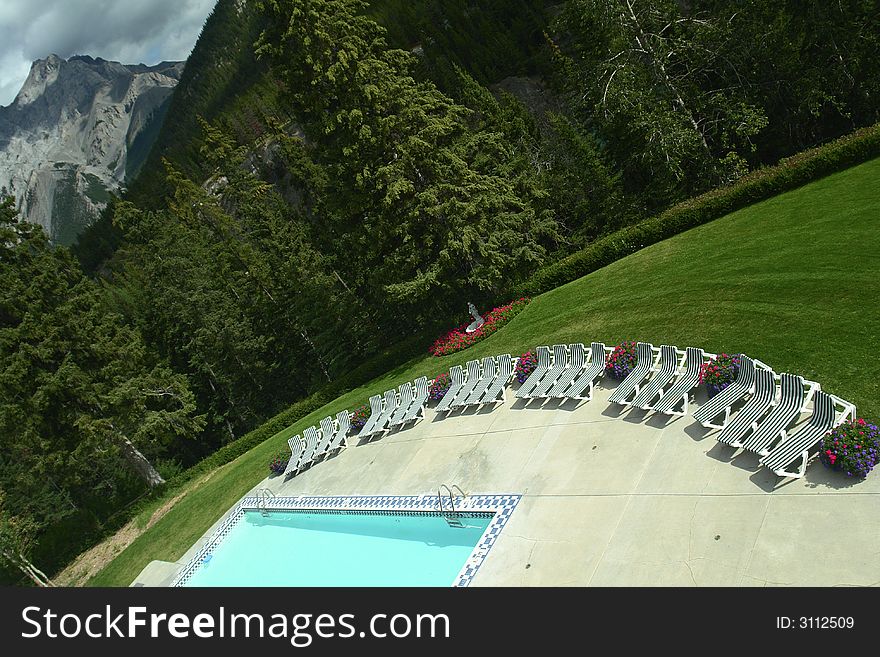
x=501, y=506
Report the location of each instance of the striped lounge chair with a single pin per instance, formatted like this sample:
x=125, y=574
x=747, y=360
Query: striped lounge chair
x=644, y=362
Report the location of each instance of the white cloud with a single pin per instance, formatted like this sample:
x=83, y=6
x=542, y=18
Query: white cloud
x=128, y=31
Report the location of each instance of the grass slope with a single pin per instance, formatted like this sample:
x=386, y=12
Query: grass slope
x=791, y=281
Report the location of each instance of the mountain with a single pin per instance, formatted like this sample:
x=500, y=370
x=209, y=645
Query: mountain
x=77, y=131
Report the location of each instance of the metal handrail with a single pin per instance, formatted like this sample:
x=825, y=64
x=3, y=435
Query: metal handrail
x=264, y=495
x=440, y=497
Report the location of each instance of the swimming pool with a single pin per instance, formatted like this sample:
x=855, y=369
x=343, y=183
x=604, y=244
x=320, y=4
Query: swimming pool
x=353, y=541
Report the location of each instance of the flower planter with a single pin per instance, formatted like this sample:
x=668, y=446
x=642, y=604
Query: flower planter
x=359, y=418
x=719, y=373
x=525, y=366
x=458, y=338
x=621, y=360
x=852, y=448
x=278, y=464
x=439, y=387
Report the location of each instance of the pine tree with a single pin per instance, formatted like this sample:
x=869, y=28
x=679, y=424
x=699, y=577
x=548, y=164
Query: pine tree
x=422, y=207
x=79, y=391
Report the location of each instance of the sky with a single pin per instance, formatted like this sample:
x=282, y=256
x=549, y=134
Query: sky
x=127, y=31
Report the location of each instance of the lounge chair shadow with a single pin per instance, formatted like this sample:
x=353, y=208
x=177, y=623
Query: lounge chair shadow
x=721, y=452
x=697, y=431
x=569, y=404
x=520, y=404
x=614, y=410
x=635, y=415
x=746, y=460
x=764, y=479
x=661, y=420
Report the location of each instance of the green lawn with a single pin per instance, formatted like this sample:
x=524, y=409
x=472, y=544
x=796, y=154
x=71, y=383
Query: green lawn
x=791, y=281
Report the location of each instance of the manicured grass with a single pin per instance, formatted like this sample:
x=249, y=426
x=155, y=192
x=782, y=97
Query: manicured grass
x=791, y=281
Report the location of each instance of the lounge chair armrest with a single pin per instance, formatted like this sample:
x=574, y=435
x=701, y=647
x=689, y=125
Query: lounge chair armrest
x=811, y=392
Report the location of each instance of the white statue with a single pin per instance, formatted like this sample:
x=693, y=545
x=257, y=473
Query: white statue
x=478, y=319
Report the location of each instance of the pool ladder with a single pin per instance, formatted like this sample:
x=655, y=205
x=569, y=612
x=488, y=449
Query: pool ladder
x=452, y=516
x=264, y=495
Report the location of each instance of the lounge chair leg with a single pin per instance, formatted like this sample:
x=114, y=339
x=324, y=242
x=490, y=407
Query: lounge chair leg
x=802, y=468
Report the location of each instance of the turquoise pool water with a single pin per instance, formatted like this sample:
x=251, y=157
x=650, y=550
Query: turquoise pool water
x=303, y=548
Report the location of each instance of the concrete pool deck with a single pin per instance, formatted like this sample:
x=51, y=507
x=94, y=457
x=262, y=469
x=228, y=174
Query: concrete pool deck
x=615, y=497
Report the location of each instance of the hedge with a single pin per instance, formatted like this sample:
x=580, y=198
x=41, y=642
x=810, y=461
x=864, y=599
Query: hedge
x=758, y=185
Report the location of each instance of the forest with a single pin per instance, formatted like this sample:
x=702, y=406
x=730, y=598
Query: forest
x=334, y=177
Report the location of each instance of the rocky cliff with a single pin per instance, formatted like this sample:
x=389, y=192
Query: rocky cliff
x=77, y=130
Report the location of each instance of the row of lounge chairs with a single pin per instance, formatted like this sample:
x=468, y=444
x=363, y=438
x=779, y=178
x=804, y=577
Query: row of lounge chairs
x=661, y=381
x=570, y=374
x=316, y=444
x=761, y=424
x=399, y=409
x=483, y=383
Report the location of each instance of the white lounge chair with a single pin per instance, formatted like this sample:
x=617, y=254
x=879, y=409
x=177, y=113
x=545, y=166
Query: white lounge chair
x=406, y=398
x=654, y=387
x=560, y=363
x=743, y=384
x=343, y=425
x=633, y=380
x=311, y=438
x=772, y=429
x=576, y=363
x=375, y=412
x=416, y=409
x=473, y=378
x=586, y=380
x=387, y=412
x=297, y=447
x=540, y=370
x=747, y=419
x=456, y=379
x=487, y=376
x=495, y=392
x=680, y=390
x=328, y=430
x=797, y=446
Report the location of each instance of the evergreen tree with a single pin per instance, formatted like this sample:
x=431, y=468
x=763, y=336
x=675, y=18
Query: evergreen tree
x=419, y=198
x=79, y=392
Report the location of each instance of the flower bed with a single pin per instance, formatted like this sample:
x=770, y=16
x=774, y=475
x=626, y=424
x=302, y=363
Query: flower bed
x=439, y=387
x=853, y=448
x=719, y=373
x=359, y=417
x=525, y=365
x=457, y=339
x=278, y=464
x=621, y=360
